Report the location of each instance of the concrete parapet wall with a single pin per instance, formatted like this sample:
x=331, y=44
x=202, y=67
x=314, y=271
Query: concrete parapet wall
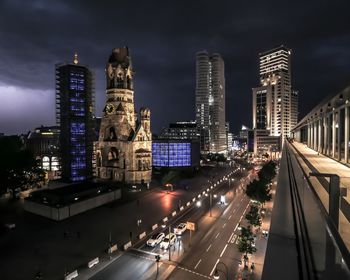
x=64, y=212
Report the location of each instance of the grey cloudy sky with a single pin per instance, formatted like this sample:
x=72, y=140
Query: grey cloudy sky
x=163, y=37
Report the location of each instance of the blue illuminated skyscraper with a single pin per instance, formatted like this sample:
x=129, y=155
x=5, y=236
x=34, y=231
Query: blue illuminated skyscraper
x=74, y=111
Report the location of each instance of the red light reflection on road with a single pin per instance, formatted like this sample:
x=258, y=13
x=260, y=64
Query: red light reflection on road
x=167, y=201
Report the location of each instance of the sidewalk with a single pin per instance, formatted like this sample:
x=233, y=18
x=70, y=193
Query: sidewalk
x=325, y=164
x=261, y=242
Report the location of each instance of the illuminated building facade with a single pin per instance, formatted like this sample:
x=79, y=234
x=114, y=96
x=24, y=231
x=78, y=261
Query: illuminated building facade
x=124, y=149
x=175, y=153
x=74, y=111
x=181, y=131
x=264, y=143
x=43, y=142
x=275, y=104
x=210, y=102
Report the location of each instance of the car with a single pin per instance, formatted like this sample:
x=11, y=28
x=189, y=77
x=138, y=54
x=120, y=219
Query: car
x=155, y=239
x=135, y=188
x=168, y=241
x=180, y=229
x=169, y=187
x=265, y=233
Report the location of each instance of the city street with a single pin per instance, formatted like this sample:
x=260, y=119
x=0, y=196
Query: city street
x=213, y=240
x=218, y=244
x=39, y=244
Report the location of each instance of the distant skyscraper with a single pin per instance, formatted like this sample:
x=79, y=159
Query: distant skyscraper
x=275, y=105
x=181, y=131
x=210, y=102
x=74, y=110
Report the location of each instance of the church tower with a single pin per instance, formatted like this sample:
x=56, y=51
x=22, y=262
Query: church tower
x=123, y=151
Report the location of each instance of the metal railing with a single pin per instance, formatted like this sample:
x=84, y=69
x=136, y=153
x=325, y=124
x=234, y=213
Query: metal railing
x=322, y=253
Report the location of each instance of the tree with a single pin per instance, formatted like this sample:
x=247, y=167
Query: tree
x=267, y=172
x=18, y=168
x=253, y=216
x=246, y=243
x=259, y=191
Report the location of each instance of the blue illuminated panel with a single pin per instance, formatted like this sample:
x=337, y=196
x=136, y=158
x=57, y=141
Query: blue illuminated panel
x=160, y=154
x=77, y=126
x=171, y=154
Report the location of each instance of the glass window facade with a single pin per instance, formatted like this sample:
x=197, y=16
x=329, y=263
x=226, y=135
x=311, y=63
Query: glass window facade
x=261, y=112
x=171, y=154
x=74, y=103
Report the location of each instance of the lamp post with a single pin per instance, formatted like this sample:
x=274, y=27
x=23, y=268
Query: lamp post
x=218, y=270
x=210, y=202
x=169, y=242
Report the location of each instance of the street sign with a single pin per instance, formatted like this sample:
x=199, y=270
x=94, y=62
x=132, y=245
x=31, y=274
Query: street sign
x=191, y=226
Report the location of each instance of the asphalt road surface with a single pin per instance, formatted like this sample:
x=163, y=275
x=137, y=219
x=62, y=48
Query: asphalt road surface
x=194, y=256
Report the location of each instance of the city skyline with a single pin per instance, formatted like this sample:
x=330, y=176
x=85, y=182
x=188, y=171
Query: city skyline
x=35, y=39
x=174, y=140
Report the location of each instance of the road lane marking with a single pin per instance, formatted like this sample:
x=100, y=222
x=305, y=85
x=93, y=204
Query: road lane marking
x=191, y=271
x=233, y=240
x=208, y=247
x=230, y=217
x=230, y=237
x=217, y=235
x=223, y=251
x=224, y=225
x=198, y=263
x=212, y=271
x=236, y=227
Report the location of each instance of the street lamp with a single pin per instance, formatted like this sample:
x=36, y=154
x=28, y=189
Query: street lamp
x=169, y=247
x=210, y=203
x=218, y=270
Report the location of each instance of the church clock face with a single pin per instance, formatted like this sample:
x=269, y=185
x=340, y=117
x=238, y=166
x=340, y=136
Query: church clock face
x=109, y=108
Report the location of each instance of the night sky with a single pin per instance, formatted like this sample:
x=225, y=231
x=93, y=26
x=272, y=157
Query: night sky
x=163, y=37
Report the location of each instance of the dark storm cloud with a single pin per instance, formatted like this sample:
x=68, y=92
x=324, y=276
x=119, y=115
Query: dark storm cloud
x=163, y=37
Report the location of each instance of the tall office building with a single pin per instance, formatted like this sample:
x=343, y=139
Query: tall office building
x=210, y=102
x=74, y=110
x=187, y=130
x=275, y=104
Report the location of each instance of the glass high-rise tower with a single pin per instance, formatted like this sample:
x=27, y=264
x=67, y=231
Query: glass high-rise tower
x=275, y=104
x=210, y=102
x=74, y=111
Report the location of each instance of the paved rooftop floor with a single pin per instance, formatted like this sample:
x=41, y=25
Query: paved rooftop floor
x=324, y=164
